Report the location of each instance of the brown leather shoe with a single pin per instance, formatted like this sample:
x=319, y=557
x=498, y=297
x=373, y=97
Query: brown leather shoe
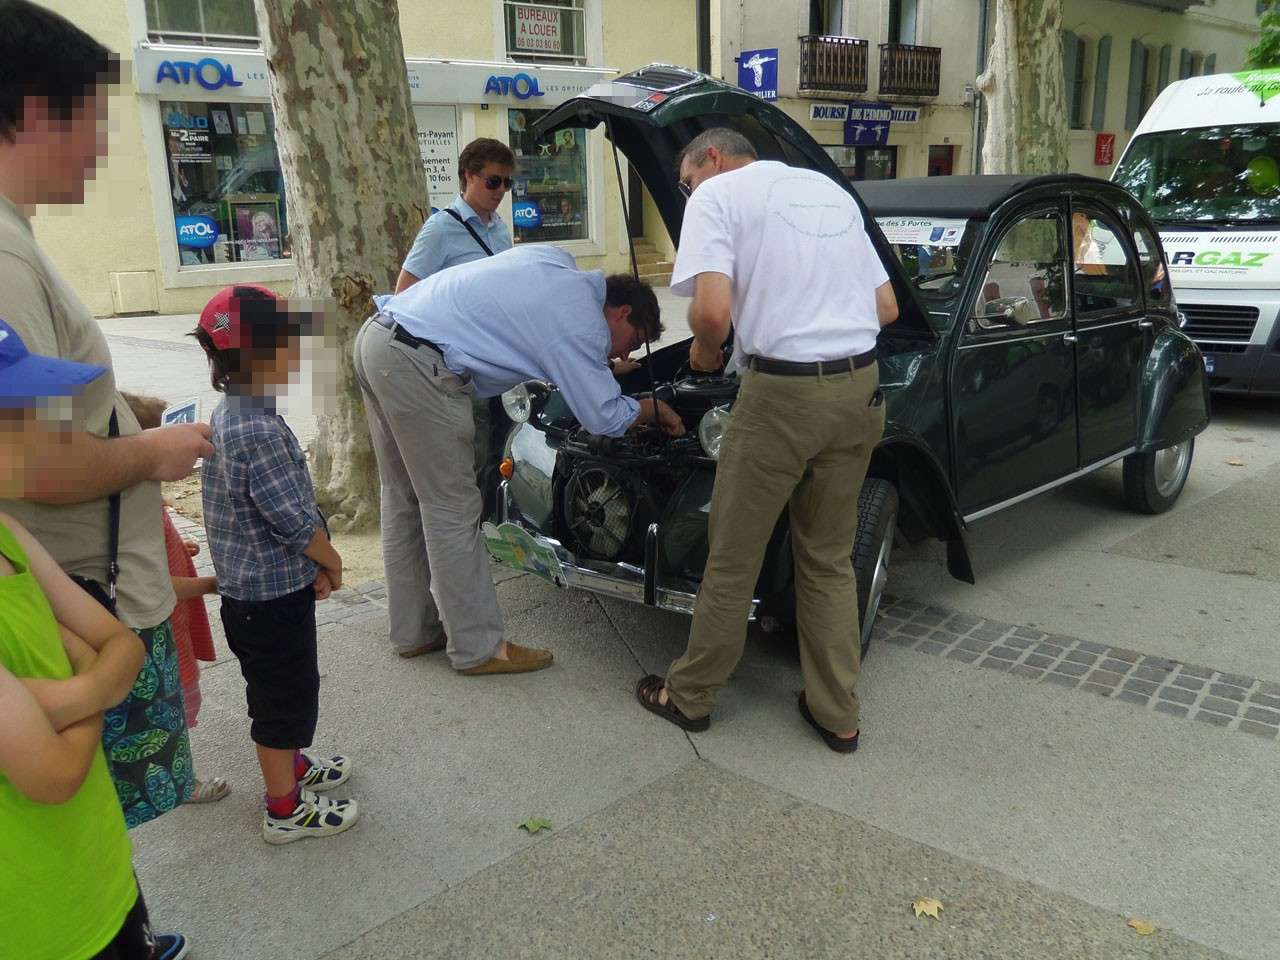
x=431, y=646
x=522, y=660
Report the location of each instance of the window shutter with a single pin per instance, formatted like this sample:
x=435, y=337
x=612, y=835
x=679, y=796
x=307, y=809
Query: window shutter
x=1184, y=65
x=1210, y=64
x=1137, y=68
x=1070, y=54
x=1100, y=84
x=1166, y=59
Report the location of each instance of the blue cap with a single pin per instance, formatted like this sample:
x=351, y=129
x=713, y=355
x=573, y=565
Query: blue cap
x=26, y=377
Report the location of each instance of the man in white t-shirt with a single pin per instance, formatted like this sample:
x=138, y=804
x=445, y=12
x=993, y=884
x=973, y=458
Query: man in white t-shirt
x=781, y=255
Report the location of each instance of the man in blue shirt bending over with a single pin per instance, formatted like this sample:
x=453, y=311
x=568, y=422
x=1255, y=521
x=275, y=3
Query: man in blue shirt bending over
x=479, y=329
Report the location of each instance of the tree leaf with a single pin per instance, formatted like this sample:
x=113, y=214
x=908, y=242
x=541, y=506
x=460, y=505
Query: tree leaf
x=1235, y=462
x=926, y=906
x=534, y=824
x=1144, y=928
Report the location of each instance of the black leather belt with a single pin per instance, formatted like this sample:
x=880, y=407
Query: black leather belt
x=790, y=368
x=409, y=340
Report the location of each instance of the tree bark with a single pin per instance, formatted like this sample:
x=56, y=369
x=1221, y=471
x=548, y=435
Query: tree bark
x=356, y=195
x=1026, y=105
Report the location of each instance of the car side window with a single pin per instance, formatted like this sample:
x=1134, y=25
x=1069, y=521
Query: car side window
x=1154, y=279
x=1025, y=283
x=1105, y=276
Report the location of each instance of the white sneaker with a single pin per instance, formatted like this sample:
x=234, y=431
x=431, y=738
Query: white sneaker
x=325, y=773
x=314, y=816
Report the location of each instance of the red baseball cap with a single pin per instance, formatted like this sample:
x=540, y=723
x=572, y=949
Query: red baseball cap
x=220, y=317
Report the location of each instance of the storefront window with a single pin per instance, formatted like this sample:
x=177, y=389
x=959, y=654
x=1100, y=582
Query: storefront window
x=549, y=199
x=865, y=163
x=202, y=21
x=225, y=182
x=546, y=31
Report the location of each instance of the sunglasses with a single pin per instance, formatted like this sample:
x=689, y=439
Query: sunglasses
x=684, y=188
x=494, y=182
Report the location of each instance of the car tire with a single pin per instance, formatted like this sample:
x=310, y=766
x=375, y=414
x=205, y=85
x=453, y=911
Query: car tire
x=1153, y=481
x=872, y=548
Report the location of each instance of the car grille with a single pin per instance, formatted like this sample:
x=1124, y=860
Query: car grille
x=1224, y=328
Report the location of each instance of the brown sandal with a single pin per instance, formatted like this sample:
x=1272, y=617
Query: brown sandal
x=647, y=691
x=838, y=744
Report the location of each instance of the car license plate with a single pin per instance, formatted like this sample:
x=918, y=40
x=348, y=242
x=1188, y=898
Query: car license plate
x=513, y=547
x=1208, y=363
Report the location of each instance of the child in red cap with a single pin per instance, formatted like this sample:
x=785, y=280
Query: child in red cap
x=271, y=550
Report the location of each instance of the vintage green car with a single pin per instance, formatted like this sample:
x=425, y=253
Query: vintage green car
x=1038, y=341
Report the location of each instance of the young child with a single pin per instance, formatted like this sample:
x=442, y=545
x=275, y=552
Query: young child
x=67, y=890
x=189, y=620
x=272, y=554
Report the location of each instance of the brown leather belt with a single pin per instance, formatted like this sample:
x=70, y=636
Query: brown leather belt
x=790, y=368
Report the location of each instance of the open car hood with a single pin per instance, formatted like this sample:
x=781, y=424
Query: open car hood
x=651, y=113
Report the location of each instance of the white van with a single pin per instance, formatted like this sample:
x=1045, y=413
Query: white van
x=1205, y=163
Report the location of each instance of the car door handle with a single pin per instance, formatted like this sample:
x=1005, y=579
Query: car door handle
x=1146, y=324
x=1069, y=338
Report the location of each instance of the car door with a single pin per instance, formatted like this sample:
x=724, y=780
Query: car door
x=1111, y=330
x=1013, y=383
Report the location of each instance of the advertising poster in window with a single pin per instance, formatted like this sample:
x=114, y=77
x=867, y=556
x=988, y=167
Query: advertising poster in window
x=438, y=146
x=549, y=199
x=537, y=29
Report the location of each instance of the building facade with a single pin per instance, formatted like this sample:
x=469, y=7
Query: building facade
x=191, y=197
x=888, y=86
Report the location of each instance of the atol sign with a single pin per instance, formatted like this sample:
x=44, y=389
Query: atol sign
x=209, y=73
x=526, y=214
x=198, y=233
x=522, y=86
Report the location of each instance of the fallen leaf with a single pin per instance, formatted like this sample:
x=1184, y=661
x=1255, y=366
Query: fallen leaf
x=1144, y=928
x=1235, y=462
x=534, y=824
x=926, y=906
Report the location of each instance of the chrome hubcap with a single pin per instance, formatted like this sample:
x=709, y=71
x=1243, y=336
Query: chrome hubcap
x=879, y=577
x=1170, y=468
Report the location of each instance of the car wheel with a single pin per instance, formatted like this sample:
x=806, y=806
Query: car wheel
x=1153, y=481
x=872, y=548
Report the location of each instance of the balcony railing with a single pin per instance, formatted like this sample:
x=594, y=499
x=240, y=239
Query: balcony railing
x=832, y=66
x=910, y=71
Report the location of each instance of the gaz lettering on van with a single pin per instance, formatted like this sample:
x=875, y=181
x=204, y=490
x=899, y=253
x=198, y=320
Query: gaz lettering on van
x=1216, y=258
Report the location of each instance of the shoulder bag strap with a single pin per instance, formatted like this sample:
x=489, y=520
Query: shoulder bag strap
x=470, y=229
x=113, y=536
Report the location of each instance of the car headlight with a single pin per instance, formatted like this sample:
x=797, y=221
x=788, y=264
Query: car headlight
x=711, y=430
x=517, y=403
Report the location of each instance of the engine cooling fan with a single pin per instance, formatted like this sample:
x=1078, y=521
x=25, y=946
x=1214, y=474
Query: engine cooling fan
x=599, y=510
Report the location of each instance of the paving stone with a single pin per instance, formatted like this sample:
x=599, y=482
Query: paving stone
x=963, y=621
x=1259, y=729
x=1160, y=663
x=1225, y=691
x=943, y=636
x=937, y=611
x=894, y=613
x=928, y=619
x=1271, y=689
x=1217, y=719
x=1072, y=669
x=1188, y=683
x=931, y=646
x=1088, y=647
x=1130, y=696
x=914, y=630
x=1218, y=705
x=1019, y=643
x=1120, y=653
x=1236, y=680
x=964, y=656
x=900, y=640
x=998, y=625
x=1262, y=700
x=1022, y=670
x=1171, y=708
x=1097, y=688
x=1062, y=680
x=977, y=646
x=910, y=605
x=1203, y=673
x=1178, y=695
x=1105, y=677
x=991, y=664
x=1115, y=666
x=987, y=633
x=1145, y=687
x=1039, y=660
x=1027, y=633
x=1263, y=716
x=1150, y=673
x=1080, y=656
x=1060, y=640
x=1049, y=650
x=1005, y=653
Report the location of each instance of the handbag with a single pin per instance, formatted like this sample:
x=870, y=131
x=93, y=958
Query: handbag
x=106, y=595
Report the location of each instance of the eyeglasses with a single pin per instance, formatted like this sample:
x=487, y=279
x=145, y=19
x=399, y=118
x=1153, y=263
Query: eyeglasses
x=494, y=182
x=684, y=188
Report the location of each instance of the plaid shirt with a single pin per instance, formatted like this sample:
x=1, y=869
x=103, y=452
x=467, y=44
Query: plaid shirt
x=259, y=506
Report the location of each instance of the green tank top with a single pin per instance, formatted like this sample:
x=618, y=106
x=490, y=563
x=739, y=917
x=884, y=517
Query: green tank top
x=66, y=883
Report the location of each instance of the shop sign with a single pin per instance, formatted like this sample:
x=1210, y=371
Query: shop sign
x=520, y=85
x=209, y=73
x=836, y=112
x=199, y=233
x=867, y=124
x=526, y=214
x=438, y=147
x=537, y=28
x=758, y=72
x=1104, y=149
x=923, y=231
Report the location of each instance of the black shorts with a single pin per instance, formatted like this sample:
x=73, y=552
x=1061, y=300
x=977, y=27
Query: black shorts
x=134, y=941
x=275, y=642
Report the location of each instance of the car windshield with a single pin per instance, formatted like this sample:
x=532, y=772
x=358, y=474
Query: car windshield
x=1228, y=173
x=934, y=252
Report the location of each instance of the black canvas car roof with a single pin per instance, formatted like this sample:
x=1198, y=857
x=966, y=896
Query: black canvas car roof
x=958, y=196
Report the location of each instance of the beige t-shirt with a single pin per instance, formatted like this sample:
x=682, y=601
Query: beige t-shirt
x=51, y=320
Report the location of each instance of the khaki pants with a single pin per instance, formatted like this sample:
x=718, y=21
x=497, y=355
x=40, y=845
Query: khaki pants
x=802, y=442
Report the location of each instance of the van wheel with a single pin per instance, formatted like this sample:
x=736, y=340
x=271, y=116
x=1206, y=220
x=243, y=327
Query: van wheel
x=872, y=548
x=1153, y=481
